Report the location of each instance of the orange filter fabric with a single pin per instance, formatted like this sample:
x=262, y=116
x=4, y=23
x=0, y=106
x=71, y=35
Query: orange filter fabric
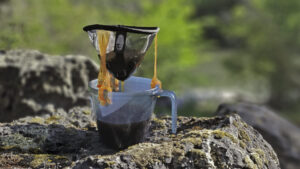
x=155, y=81
x=104, y=78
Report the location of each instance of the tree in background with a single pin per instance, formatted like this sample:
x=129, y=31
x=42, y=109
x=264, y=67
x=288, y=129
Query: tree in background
x=263, y=37
x=267, y=29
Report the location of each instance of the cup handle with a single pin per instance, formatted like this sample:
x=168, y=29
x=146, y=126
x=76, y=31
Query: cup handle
x=171, y=95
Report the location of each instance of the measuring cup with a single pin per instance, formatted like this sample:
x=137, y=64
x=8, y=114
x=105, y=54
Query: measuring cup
x=126, y=121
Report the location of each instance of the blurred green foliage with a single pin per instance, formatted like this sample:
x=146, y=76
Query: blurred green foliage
x=268, y=46
x=264, y=39
x=56, y=27
x=252, y=45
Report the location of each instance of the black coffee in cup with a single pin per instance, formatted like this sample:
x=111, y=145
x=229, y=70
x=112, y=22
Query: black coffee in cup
x=120, y=136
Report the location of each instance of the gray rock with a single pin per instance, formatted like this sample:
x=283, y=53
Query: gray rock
x=33, y=83
x=51, y=141
x=280, y=133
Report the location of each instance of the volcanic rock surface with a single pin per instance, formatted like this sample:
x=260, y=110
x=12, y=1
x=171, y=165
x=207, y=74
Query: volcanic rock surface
x=70, y=139
x=34, y=83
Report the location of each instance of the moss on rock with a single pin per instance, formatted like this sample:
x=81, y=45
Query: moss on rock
x=257, y=159
x=53, y=119
x=249, y=163
x=219, y=134
x=242, y=144
x=243, y=135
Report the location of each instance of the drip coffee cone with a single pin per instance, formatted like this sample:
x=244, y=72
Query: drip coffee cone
x=126, y=48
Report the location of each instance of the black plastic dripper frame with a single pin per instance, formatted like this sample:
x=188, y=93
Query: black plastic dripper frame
x=126, y=48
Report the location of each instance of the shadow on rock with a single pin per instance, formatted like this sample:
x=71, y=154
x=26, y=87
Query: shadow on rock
x=51, y=139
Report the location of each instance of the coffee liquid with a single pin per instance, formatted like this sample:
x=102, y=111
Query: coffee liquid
x=120, y=136
x=122, y=65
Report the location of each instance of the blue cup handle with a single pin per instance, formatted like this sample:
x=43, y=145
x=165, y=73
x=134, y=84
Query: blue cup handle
x=171, y=95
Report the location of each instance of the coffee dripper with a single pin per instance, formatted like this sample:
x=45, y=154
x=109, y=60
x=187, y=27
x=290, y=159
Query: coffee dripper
x=126, y=48
x=125, y=121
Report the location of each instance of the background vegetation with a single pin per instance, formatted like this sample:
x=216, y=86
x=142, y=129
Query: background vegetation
x=242, y=46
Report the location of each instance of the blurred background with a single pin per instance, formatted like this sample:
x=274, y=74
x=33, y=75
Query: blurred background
x=209, y=51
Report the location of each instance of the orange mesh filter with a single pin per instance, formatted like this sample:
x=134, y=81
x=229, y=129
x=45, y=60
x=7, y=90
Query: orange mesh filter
x=155, y=81
x=104, y=78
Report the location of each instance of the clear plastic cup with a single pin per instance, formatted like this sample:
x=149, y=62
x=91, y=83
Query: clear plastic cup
x=126, y=121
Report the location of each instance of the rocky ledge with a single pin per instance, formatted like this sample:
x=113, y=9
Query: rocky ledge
x=60, y=139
